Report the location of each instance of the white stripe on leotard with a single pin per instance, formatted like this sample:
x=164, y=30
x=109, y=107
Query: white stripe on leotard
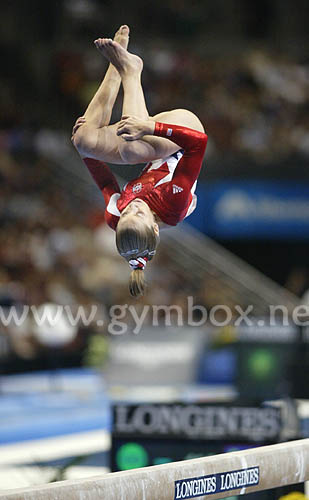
x=171, y=162
x=112, y=205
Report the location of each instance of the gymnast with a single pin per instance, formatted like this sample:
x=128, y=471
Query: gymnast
x=172, y=144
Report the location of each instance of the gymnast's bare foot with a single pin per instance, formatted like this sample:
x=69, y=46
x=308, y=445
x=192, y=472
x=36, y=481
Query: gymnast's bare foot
x=121, y=36
x=125, y=62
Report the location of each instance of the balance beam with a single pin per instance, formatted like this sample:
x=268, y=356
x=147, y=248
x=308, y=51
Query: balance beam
x=218, y=476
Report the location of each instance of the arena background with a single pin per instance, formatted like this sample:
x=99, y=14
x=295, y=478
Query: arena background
x=242, y=67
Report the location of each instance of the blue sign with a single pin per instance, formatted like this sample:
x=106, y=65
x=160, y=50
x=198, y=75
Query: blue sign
x=253, y=209
x=216, y=483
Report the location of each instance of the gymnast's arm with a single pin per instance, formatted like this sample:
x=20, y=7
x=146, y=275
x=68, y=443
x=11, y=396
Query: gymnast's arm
x=194, y=145
x=103, y=176
x=192, y=141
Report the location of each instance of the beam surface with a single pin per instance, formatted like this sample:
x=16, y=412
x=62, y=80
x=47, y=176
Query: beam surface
x=238, y=472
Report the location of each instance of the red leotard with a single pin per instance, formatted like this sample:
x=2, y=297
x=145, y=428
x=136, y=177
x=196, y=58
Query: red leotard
x=167, y=185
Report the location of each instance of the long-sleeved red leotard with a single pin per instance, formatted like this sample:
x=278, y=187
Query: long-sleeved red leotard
x=166, y=185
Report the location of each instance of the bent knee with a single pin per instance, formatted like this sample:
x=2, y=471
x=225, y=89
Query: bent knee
x=85, y=139
x=182, y=117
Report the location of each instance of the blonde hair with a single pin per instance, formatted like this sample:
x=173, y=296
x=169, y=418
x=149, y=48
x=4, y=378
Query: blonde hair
x=132, y=243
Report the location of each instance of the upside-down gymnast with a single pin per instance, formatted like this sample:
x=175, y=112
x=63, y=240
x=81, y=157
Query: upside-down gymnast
x=172, y=144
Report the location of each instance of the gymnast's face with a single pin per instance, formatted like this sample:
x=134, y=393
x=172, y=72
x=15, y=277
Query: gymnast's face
x=137, y=213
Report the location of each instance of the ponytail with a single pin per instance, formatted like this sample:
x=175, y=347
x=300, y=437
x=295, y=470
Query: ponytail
x=137, y=246
x=137, y=283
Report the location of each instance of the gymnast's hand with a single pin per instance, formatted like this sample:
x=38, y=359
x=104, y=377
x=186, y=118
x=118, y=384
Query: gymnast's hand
x=132, y=128
x=79, y=122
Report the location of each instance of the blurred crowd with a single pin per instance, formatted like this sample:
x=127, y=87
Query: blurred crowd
x=54, y=245
x=56, y=250
x=253, y=106
x=58, y=261
x=252, y=98
x=63, y=285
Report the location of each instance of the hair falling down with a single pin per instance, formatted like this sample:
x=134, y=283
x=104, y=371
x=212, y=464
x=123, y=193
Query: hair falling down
x=137, y=246
x=137, y=282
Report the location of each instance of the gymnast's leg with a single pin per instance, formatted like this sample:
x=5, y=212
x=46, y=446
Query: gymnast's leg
x=149, y=148
x=93, y=128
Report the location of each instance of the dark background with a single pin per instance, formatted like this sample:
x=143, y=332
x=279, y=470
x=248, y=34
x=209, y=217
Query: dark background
x=241, y=66
x=198, y=55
